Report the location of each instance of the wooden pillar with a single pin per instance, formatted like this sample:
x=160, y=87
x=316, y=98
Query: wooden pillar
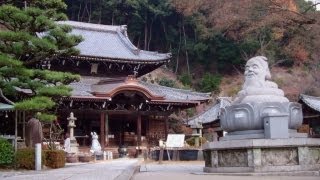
x=102, y=129
x=24, y=125
x=166, y=126
x=106, y=128
x=15, y=130
x=139, y=130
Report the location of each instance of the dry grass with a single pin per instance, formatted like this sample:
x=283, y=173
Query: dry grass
x=292, y=81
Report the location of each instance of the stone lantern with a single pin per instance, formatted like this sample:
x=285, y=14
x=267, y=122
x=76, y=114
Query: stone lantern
x=197, y=133
x=71, y=125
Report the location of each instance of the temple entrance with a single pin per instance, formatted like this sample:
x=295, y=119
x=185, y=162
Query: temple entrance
x=123, y=130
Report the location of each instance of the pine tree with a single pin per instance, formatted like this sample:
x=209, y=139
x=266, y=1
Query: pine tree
x=29, y=39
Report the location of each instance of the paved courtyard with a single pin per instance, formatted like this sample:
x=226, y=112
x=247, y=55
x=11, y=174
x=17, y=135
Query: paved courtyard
x=193, y=170
x=120, y=169
x=123, y=169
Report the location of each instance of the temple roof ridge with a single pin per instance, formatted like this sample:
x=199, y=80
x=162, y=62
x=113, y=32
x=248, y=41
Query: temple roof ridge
x=110, y=42
x=91, y=26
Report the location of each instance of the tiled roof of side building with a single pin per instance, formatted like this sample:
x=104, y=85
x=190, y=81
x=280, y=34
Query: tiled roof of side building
x=211, y=114
x=312, y=101
x=110, y=42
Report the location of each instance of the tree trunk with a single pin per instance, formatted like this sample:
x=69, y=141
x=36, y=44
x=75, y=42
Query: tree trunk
x=5, y=98
x=112, y=19
x=164, y=31
x=178, y=53
x=89, y=12
x=79, y=12
x=85, y=10
x=100, y=12
x=138, y=44
x=150, y=35
x=185, y=45
x=146, y=32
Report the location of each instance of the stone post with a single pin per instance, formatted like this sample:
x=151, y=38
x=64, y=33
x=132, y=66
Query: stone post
x=38, y=156
x=73, y=142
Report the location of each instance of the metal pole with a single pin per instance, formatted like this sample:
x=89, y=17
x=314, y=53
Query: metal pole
x=38, y=157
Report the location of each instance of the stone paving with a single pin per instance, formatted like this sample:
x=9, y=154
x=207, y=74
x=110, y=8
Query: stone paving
x=123, y=169
x=119, y=169
x=192, y=170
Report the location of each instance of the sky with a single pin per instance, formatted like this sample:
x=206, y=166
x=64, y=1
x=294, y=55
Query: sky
x=315, y=1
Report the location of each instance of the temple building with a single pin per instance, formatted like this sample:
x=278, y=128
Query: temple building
x=109, y=99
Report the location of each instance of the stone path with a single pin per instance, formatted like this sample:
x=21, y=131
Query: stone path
x=119, y=169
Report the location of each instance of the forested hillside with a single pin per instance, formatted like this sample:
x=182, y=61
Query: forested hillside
x=210, y=40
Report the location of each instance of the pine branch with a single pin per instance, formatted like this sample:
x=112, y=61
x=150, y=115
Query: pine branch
x=5, y=98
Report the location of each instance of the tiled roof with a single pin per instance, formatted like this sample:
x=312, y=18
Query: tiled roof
x=110, y=42
x=87, y=86
x=176, y=94
x=211, y=114
x=312, y=101
x=5, y=107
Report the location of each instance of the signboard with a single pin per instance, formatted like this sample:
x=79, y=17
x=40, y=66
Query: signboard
x=175, y=140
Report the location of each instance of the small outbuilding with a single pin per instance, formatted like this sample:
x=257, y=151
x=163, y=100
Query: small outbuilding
x=311, y=114
x=209, y=119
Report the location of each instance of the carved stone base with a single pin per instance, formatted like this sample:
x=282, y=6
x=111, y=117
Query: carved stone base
x=74, y=146
x=262, y=155
x=257, y=134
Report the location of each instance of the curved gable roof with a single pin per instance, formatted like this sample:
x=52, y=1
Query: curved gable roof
x=311, y=101
x=211, y=114
x=111, y=43
x=95, y=87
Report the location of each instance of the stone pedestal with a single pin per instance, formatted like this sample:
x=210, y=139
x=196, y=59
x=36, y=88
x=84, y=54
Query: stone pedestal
x=262, y=155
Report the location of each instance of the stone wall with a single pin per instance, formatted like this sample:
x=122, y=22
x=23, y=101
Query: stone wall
x=299, y=156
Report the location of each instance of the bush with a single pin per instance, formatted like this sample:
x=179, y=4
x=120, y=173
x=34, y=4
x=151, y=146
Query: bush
x=210, y=83
x=185, y=79
x=55, y=158
x=25, y=158
x=167, y=82
x=6, y=152
x=192, y=140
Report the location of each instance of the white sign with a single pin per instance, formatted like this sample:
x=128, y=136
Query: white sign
x=175, y=140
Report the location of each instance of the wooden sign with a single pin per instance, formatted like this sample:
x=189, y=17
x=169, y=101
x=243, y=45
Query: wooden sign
x=175, y=140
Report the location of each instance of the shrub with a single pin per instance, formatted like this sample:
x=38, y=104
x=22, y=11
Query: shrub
x=192, y=140
x=25, y=158
x=55, y=158
x=167, y=82
x=210, y=83
x=6, y=152
x=185, y=79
